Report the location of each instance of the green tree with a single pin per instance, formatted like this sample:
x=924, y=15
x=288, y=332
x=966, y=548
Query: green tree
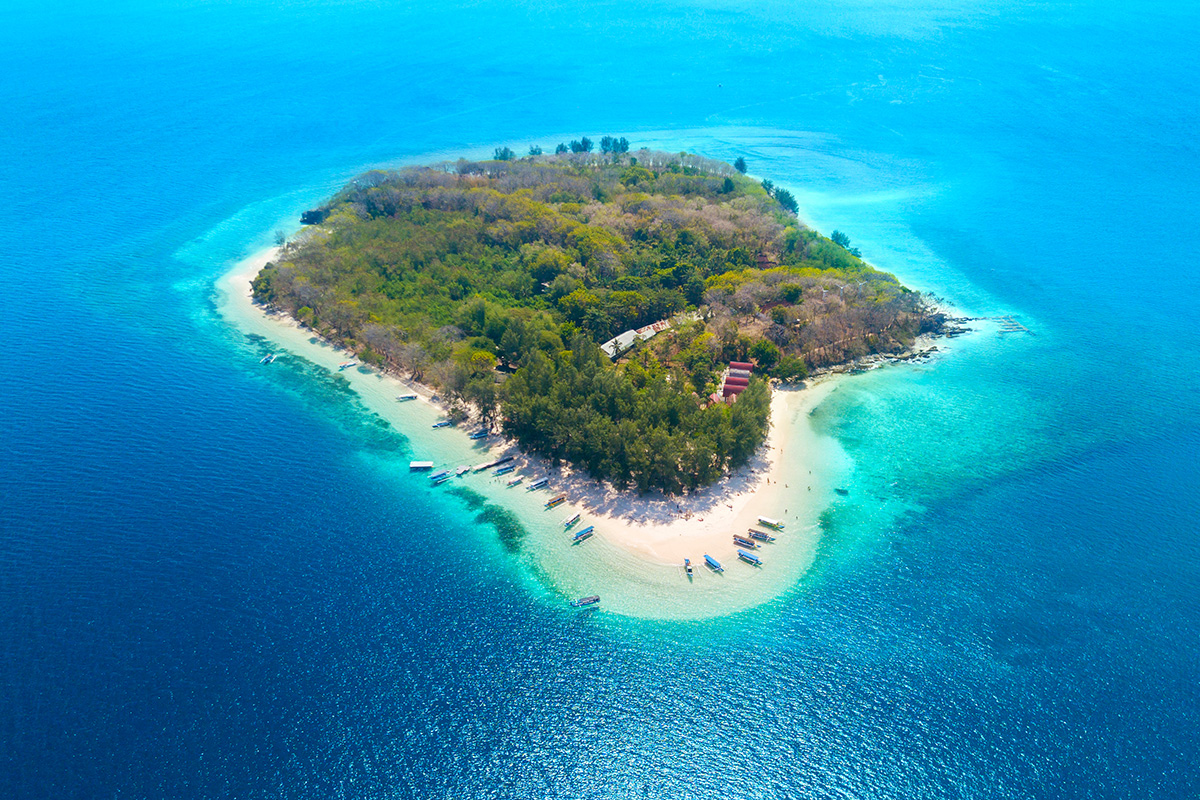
x=740, y=165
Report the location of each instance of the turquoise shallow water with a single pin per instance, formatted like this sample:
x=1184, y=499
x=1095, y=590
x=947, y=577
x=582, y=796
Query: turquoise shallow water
x=214, y=580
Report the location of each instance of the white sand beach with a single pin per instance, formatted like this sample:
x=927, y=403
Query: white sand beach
x=635, y=557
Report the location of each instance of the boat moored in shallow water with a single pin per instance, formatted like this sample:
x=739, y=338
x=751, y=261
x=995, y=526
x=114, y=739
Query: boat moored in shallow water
x=749, y=558
x=571, y=520
x=409, y=396
x=744, y=542
x=505, y=470
x=479, y=435
x=515, y=481
x=713, y=564
x=346, y=365
x=583, y=534
x=445, y=473
x=554, y=501
x=584, y=602
x=760, y=536
x=768, y=522
x=419, y=465
x=267, y=359
x=539, y=483
x=445, y=423
x=687, y=566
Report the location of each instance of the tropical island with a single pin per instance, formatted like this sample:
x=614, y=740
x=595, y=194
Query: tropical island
x=591, y=303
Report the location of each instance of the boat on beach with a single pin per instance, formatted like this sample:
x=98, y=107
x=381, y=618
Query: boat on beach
x=749, y=558
x=539, y=483
x=768, y=522
x=409, y=396
x=687, y=566
x=505, y=470
x=445, y=423
x=713, y=564
x=419, y=465
x=760, y=536
x=584, y=602
x=744, y=542
x=583, y=534
x=346, y=365
x=480, y=435
x=515, y=481
x=552, y=502
x=571, y=520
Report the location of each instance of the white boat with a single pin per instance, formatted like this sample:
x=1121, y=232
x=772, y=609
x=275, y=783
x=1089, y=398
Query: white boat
x=515, y=481
x=571, y=520
x=409, y=396
x=539, y=483
x=415, y=465
x=346, y=365
x=267, y=359
x=770, y=523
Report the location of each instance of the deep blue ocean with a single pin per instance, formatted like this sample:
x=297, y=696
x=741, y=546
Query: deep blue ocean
x=213, y=584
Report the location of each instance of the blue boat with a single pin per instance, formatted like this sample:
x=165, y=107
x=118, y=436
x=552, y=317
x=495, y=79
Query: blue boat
x=583, y=534
x=479, y=435
x=760, y=536
x=505, y=470
x=443, y=424
x=571, y=520
x=539, y=483
x=584, y=602
x=713, y=564
x=443, y=474
x=744, y=542
x=442, y=479
x=749, y=558
x=687, y=566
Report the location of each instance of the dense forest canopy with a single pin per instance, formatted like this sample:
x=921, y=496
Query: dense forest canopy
x=495, y=281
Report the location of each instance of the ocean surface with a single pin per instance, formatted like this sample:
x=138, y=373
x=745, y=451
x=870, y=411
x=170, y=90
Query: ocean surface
x=215, y=582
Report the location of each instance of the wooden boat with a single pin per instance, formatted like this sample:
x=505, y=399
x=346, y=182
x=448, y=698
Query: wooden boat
x=744, y=542
x=571, y=520
x=552, y=502
x=713, y=564
x=760, y=536
x=583, y=534
x=749, y=558
x=584, y=602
